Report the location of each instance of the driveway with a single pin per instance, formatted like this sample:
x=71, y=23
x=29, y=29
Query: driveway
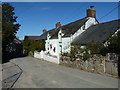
x=42, y=74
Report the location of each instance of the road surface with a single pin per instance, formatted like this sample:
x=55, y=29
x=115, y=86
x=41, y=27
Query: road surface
x=43, y=74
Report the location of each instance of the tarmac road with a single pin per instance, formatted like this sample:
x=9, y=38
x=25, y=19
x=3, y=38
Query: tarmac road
x=43, y=74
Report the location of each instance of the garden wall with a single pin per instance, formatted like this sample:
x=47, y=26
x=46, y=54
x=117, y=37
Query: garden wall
x=42, y=55
x=100, y=65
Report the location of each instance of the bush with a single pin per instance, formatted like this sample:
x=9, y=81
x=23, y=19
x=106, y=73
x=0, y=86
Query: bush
x=95, y=47
x=33, y=45
x=86, y=56
x=114, y=44
x=86, y=52
x=65, y=54
x=30, y=53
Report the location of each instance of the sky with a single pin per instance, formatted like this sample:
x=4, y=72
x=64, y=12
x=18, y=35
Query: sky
x=36, y=16
x=59, y=0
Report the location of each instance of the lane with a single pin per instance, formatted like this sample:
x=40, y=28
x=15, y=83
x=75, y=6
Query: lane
x=42, y=74
x=10, y=74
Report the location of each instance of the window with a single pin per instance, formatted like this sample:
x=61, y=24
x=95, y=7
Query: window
x=50, y=46
x=54, y=49
x=60, y=34
x=83, y=27
x=60, y=45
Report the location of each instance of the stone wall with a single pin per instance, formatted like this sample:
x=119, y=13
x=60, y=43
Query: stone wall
x=100, y=65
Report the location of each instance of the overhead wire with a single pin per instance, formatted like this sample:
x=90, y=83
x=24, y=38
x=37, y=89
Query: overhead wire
x=71, y=14
x=109, y=12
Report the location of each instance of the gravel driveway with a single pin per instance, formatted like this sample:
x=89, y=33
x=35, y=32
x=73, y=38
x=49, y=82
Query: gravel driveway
x=42, y=74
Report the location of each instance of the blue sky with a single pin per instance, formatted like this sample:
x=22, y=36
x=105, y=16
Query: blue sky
x=35, y=16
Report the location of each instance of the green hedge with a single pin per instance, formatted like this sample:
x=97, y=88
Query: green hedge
x=29, y=46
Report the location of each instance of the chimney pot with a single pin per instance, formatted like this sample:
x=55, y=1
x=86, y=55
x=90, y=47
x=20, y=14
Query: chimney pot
x=44, y=30
x=91, y=12
x=58, y=24
x=17, y=37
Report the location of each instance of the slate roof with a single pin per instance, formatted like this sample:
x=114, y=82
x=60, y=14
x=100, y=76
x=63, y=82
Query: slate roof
x=67, y=29
x=70, y=28
x=44, y=35
x=31, y=37
x=17, y=41
x=99, y=32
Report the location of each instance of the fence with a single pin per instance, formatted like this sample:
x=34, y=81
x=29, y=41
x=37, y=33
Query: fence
x=42, y=55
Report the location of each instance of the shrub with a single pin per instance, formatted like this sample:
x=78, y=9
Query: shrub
x=33, y=45
x=95, y=47
x=114, y=44
x=86, y=56
x=86, y=52
x=65, y=54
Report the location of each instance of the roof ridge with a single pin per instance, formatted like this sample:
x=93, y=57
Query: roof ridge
x=74, y=21
x=32, y=36
x=110, y=21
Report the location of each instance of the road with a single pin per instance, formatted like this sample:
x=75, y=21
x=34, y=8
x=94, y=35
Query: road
x=42, y=74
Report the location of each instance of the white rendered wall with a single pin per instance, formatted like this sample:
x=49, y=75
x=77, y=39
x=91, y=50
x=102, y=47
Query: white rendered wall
x=55, y=43
x=77, y=33
x=91, y=21
x=42, y=55
x=66, y=44
x=107, y=42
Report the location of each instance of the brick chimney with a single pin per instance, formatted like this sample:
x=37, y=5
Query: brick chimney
x=17, y=37
x=91, y=12
x=58, y=24
x=44, y=30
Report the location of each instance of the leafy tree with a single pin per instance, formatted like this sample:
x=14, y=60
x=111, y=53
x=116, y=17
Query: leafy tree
x=9, y=25
x=114, y=47
x=114, y=44
x=32, y=45
x=95, y=47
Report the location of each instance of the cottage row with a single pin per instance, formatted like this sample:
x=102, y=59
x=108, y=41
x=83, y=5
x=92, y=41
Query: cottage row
x=59, y=39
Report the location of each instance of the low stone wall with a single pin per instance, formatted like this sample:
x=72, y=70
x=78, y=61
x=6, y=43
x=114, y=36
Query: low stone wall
x=95, y=64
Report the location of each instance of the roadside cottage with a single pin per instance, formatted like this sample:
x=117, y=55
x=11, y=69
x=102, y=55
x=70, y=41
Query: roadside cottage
x=59, y=39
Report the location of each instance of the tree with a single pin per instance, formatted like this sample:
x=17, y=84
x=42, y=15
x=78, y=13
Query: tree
x=9, y=25
x=95, y=47
x=114, y=44
x=114, y=47
x=32, y=45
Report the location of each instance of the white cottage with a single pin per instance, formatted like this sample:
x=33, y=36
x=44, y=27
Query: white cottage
x=64, y=35
x=59, y=39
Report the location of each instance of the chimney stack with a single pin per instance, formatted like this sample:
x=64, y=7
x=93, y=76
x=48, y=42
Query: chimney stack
x=91, y=12
x=58, y=24
x=17, y=37
x=44, y=30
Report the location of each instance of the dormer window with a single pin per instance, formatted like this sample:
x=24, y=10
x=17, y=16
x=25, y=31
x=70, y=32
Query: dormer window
x=84, y=27
x=60, y=34
x=50, y=46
